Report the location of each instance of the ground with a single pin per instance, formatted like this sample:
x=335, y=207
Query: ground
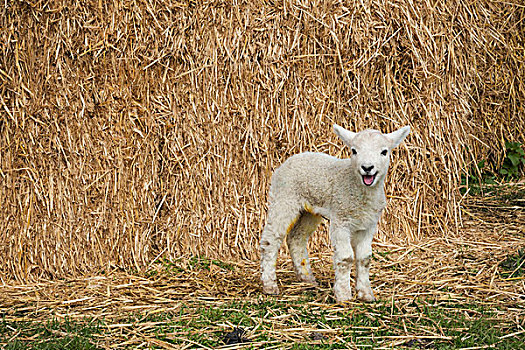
x=464, y=290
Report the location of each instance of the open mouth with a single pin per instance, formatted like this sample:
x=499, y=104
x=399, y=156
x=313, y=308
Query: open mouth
x=368, y=180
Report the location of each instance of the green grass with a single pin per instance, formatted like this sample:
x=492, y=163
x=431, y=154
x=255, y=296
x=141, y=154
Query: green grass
x=295, y=325
x=204, y=263
x=54, y=334
x=514, y=265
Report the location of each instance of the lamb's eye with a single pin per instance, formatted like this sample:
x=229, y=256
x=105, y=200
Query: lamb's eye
x=384, y=152
x=354, y=151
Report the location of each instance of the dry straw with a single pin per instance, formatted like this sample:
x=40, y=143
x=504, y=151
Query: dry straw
x=459, y=277
x=134, y=129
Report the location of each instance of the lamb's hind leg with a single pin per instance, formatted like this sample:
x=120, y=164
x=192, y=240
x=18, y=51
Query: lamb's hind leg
x=297, y=241
x=281, y=220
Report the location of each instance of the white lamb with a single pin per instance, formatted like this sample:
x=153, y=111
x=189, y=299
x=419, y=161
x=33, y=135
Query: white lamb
x=348, y=192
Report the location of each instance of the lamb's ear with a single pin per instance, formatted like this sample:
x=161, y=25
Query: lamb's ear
x=345, y=135
x=398, y=136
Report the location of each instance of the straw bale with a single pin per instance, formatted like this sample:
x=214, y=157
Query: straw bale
x=135, y=129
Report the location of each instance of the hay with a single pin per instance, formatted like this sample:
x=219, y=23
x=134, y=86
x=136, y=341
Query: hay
x=130, y=130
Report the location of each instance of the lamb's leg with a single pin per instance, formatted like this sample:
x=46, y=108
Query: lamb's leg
x=281, y=220
x=343, y=259
x=297, y=241
x=362, y=245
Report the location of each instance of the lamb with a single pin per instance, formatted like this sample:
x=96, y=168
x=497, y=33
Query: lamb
x=308, y=187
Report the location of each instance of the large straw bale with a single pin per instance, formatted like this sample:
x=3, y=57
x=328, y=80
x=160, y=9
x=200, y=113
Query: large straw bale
x=134, y=129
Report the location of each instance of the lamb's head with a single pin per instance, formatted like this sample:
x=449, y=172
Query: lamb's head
x=371, y=152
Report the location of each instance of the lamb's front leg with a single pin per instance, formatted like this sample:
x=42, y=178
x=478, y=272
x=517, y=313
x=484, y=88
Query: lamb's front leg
x=343, y=259
x=362, y=245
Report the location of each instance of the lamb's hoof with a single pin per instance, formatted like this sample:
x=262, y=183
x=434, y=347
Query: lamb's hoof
x=365, y=296
x=342, y=298
x=271, y=290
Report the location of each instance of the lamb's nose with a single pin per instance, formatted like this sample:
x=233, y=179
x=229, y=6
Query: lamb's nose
x=367, y=168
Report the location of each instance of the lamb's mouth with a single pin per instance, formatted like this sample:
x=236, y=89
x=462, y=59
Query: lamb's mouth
x=368, y=180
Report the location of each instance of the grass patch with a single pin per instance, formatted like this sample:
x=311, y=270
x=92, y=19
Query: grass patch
x=205, y=263
x=478, y=176
x=53, y=334
x=514, y=265
x=295, y=325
